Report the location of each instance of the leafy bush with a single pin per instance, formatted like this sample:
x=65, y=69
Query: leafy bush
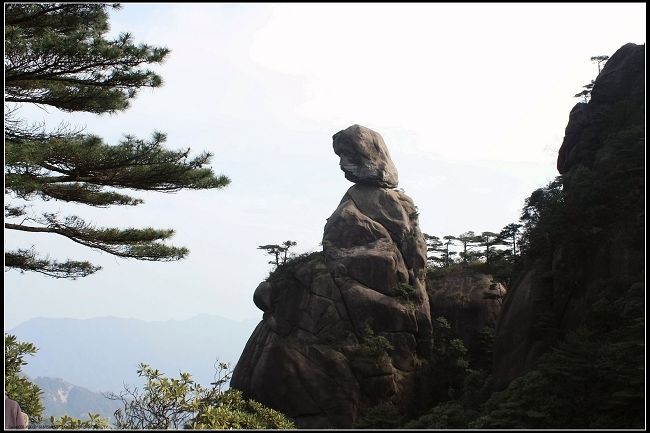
x=94, y=422
x=406, y=292
x=374, y=346
x=232, y=411
x=169, y=403
x=17, y=386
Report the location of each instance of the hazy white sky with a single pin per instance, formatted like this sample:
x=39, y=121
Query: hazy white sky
x=471, y=99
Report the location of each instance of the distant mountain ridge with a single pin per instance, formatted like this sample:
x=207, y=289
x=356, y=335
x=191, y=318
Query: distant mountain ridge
x=102, y=354
x=63, y=398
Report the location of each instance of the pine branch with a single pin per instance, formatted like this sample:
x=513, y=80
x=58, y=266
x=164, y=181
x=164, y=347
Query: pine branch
x=86, y=164
x=57, y=54
x=14, y=211
x=88, y=194
x=132, y=243
x=27, y=260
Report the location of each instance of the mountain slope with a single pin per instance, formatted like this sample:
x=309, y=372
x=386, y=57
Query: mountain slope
x=63, y=398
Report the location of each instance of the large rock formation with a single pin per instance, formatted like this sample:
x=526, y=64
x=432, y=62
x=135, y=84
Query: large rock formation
x=591, y=253
x=347, y=328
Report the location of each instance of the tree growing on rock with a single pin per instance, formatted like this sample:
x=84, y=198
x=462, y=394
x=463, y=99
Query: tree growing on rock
x=449, y=254
x=509, y=235
x=469, y=240
x=586, y=93
x=279, y=252
x=57, y=55
x=599, y=60
x=490, y=240
x=436, y=253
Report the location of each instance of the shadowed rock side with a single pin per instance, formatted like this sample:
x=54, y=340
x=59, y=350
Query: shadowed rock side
x=458, y=296
x=320, y=353
x=619, y=87
x=600, y=246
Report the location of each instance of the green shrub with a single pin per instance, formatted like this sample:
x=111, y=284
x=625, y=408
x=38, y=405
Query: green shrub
x=232, y=411
x=406, y=292
x=170, y=403
x=17, y=386
x=94, y=422
x=374, y=346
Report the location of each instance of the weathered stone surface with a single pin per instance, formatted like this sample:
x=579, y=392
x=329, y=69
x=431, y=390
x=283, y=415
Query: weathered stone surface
x=312, y=357
x=379, y=266
x=384, y=206
x=364, y=157
x=383, y=313
x=513, y=343
x=349, y=227
x=458, y=296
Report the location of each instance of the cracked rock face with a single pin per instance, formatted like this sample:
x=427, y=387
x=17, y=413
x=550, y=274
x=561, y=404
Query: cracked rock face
x=347, y=328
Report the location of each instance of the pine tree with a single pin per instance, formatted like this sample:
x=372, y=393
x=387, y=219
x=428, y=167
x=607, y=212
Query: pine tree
x=489, y=240
x=599, y=60
x=279, y=252
x=56, y=55
x=449, y=254
x=509, y=235
x=469, y=241
x=436, y=254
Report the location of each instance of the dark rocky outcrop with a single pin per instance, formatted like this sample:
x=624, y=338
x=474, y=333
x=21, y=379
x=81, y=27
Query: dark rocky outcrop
x=593, y=248
x=459, y=297
x=621, y=82
x=347, y=328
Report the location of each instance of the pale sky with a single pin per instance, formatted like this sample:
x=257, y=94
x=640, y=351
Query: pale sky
x=471, y=99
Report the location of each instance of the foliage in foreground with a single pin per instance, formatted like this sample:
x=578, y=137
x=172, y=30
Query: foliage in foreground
x=175, y=403
x=17, y=386
x=94, y=422
x=57, y=55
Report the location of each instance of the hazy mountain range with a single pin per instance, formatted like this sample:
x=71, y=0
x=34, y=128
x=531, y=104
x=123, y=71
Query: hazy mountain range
x=103, y=354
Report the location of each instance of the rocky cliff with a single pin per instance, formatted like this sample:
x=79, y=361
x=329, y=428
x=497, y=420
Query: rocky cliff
x=585, y=258
x=347, y=328
x=459, y=297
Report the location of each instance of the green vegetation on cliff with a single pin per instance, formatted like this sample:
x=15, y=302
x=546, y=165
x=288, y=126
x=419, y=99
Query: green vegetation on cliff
x=582, y=250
